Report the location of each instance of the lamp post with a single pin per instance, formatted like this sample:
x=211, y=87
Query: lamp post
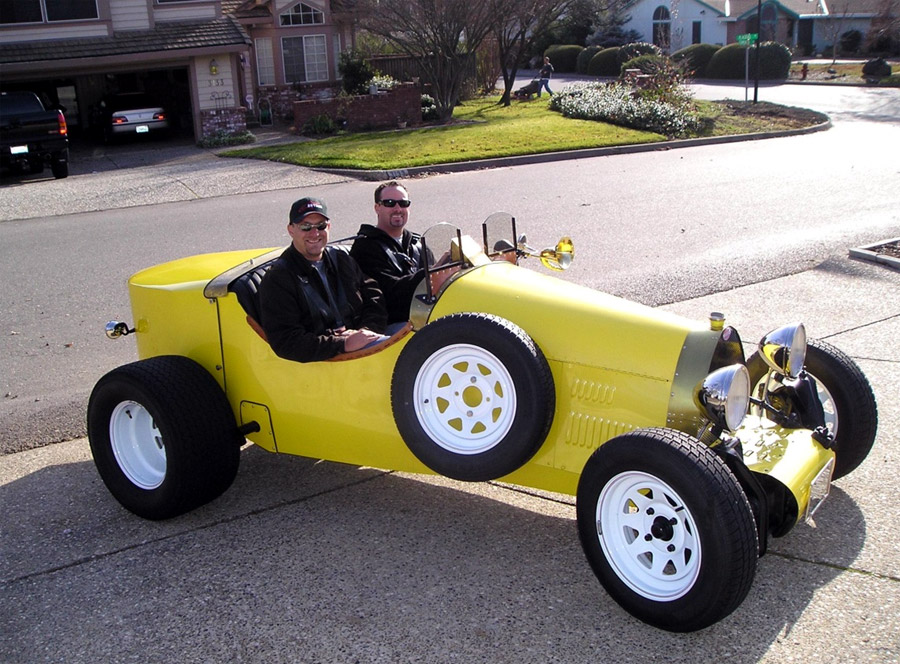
x=756, y=55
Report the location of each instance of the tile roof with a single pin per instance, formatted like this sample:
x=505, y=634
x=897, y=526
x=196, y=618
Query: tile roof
x=170, y=37
x=247, y=8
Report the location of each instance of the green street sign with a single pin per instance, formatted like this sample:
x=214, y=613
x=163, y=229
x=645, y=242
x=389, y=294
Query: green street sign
x=747, y=39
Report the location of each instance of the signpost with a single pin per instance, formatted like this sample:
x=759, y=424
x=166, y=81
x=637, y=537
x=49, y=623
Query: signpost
x=746, y=40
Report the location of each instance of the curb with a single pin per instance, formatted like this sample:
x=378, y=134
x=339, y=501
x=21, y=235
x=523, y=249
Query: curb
x=865, y=253
x=546, y=157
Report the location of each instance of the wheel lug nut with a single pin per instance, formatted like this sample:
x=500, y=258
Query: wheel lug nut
x=671, y=548
x=648, y=537
x=650, y=511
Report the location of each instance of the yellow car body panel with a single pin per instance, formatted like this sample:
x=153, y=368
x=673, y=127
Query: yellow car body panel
x=616, y=366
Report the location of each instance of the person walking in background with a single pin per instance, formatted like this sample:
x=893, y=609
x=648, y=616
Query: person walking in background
x=545, y=74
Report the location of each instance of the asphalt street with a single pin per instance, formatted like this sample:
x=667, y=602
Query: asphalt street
x=302, y=561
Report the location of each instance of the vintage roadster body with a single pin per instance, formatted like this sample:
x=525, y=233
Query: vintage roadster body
x=684, y=455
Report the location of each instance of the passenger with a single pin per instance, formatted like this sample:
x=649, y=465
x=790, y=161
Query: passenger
x=389, y=253
x=314, y=301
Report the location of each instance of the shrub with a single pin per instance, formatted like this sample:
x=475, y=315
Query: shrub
x=584, y=59
x=648, y=64
x=617, y=104
x=429, y=109
x=355, y=72
x=729, y=62
x=383, y=81
x=634, y=49
x=605, y=63
x=850, y=41
x=223, y=139
x=877, y=68
x=695, y=58
x=563, y=57
x=319, y=125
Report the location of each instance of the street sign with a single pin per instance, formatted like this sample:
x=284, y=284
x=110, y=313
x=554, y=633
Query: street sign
x=747, y=39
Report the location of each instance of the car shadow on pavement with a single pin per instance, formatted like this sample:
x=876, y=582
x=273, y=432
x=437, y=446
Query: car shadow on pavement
x=328, y=562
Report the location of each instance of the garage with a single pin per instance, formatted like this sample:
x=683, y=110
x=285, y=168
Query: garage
x=192, y=69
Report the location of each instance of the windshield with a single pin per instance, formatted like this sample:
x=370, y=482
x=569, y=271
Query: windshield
x=500, y=236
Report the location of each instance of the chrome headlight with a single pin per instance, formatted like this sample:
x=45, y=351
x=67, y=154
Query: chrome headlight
x=784, y=349
x=725, y=395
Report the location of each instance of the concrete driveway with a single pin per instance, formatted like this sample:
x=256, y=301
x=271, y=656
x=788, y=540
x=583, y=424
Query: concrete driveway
x=304, y=561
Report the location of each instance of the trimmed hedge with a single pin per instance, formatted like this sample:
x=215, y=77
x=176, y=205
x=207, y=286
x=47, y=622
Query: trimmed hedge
x=605, y=63
x=584, y=58
x=634, y=49
x=696, y=57
x=648, y=64
x=729, y=62
x=564, y=57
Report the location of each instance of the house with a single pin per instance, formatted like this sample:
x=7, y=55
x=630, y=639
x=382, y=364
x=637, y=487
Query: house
x=208, y=61
x=809, y=26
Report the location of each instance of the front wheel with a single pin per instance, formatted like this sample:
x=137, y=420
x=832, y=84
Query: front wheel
x=163, y=436
x=667, y=529
x=851, y=414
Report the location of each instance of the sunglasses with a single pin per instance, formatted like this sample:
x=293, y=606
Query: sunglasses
x=308, y=227
x=391, y=202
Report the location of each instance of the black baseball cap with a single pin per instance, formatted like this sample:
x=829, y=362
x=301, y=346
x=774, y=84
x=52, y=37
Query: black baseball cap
x=306, y=206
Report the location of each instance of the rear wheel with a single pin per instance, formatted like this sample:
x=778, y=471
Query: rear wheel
x=163, y=436
x=667, y=529
x=60, y=169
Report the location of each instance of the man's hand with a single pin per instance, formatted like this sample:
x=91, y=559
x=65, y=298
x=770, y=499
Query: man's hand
x=356, y=339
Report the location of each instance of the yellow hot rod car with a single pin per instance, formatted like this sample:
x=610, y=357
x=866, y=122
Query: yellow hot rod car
x=684, y=455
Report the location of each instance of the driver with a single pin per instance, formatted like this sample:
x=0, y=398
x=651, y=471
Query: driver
x=389, y=253
x=314, y=301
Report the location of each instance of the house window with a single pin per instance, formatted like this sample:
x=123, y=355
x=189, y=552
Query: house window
x=304, y=58
x=695, y=32
x=767, y=27
x=662, y=27
x=265, y=63
x=302, y=14
x=41, y=11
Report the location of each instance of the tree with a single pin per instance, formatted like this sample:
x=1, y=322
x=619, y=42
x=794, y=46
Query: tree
x=609, y=25
x=834, y=26
x=442, y=35
x=517, y=24
x=884, y=35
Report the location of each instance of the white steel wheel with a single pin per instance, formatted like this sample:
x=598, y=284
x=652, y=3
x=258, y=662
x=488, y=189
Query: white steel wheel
x=667, y=528
x=649, y=536
x=163, y=436
x=465, y=398
x=137, y=445
x=472, y=396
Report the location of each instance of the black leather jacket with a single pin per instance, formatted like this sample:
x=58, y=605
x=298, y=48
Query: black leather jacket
x=296, y=309
x=397, y=267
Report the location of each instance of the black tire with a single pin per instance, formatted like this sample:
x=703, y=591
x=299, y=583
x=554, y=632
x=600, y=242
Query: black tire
x=667, y=489
x=60, y=169
x=850, y=409
x=163, y=436
x=472, y=396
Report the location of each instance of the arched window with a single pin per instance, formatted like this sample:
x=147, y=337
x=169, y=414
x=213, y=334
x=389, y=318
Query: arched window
x=662, y=27
x=302, y=14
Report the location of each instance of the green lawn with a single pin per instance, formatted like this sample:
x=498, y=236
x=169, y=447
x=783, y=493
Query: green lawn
x=482, y=129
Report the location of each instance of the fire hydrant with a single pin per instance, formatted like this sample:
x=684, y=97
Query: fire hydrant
x=804, y=70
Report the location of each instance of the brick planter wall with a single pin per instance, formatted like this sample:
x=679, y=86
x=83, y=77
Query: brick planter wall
x=223, y=120
x=379, y=111
x=282, y=98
